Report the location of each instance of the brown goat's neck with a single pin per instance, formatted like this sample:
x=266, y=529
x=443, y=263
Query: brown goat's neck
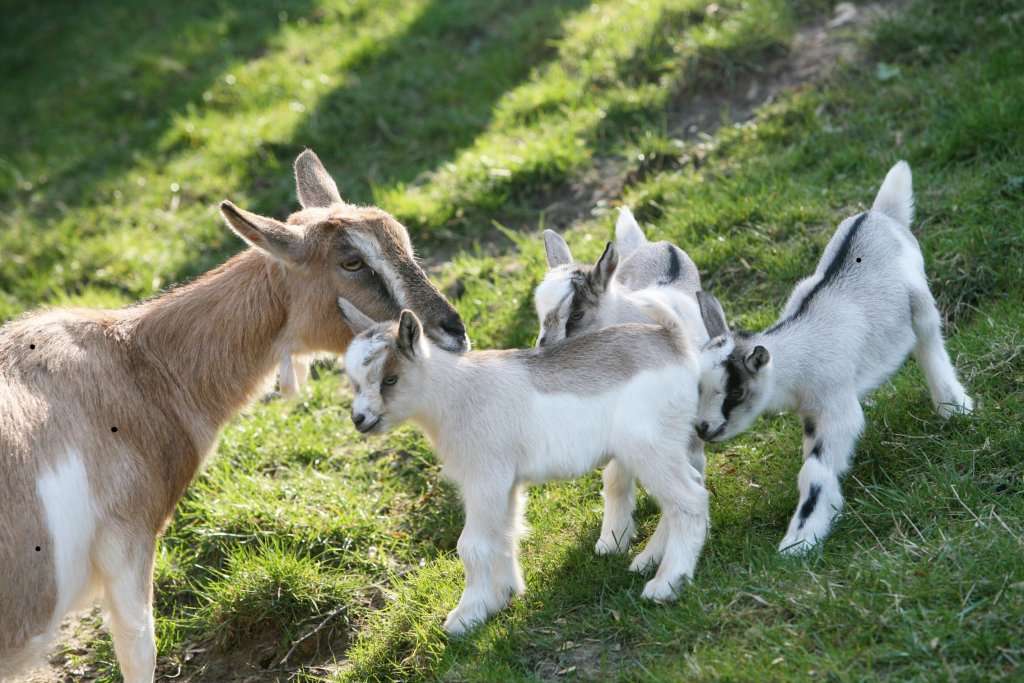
x=214, y=339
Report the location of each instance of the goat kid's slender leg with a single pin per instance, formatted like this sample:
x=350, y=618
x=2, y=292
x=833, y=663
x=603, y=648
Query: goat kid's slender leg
x=488, y=547
x=125, y=564
x=828, y=453
x=679, y=489
x=948, y=395
x=653, y=552
x=617, y=527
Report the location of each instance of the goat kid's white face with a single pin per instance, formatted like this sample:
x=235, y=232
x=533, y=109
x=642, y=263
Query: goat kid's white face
x=569, y=299
x=381, y=363
x=735, y=378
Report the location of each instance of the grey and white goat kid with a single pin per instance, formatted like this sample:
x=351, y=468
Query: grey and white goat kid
x=576, y=298
x=500, y=420
x=845, y=329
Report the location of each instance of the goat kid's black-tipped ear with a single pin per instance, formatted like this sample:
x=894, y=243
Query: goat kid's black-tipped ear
x=556, y=249
x=712, y=314
x=409, y=331
x=757, y=359
x=266, y=234
x=313, y=184
x=356, y=320
x=604, y=269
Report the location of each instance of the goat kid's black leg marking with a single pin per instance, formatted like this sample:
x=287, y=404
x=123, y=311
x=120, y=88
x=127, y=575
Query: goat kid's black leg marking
x=809, y=428
x=807, y=509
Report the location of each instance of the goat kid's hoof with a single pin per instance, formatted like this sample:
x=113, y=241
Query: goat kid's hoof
x=961, y=406
x=660, y=590
x=643, y=563
x=462, y=620
x=796, y=546
x=611, y=546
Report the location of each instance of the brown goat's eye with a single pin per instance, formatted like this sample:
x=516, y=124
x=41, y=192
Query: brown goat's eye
x=390, y=380
x=576, y=316
x=353, y=264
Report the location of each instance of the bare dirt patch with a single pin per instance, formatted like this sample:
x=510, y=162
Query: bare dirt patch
x=69, y=662
x=818, y=48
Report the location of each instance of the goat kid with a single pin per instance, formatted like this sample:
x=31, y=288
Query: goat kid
x=845, y=330
x=574, y=299
x=105, y=415
x=500, y=420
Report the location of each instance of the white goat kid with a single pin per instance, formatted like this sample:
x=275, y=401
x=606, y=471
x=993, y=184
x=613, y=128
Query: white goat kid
x=576, y=298
x=502, y=419
x=845, y=330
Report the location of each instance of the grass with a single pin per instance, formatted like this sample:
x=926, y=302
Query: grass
x=305, y=543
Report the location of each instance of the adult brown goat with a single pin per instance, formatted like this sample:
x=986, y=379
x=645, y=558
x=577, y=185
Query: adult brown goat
x=105, y=415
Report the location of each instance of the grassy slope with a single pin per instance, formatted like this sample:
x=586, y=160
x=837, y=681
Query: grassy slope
x=116, y=156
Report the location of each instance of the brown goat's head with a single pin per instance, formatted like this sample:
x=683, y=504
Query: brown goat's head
x=331, y=248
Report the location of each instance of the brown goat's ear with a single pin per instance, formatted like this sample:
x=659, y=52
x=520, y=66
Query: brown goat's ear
x=266, y=234
x=313, y=183
x=556, y=249
x=409, y=331
x=604, y=269
x=356, y=320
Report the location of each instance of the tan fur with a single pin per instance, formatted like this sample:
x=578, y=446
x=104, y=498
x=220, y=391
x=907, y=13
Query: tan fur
x=167, y=373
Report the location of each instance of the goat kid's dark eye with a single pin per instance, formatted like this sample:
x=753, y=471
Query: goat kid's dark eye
x=353, y=265
x=576, y=317
x=390, y=380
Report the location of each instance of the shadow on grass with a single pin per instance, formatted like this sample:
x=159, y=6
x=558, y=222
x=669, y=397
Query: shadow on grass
x=96, y=86
x=411, y=106
x=105, y=80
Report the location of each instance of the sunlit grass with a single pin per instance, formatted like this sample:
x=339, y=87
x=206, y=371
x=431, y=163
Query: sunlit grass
x=454, y=114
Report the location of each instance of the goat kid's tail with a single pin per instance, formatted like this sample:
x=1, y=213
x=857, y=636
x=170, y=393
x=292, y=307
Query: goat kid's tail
x=896, y=196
